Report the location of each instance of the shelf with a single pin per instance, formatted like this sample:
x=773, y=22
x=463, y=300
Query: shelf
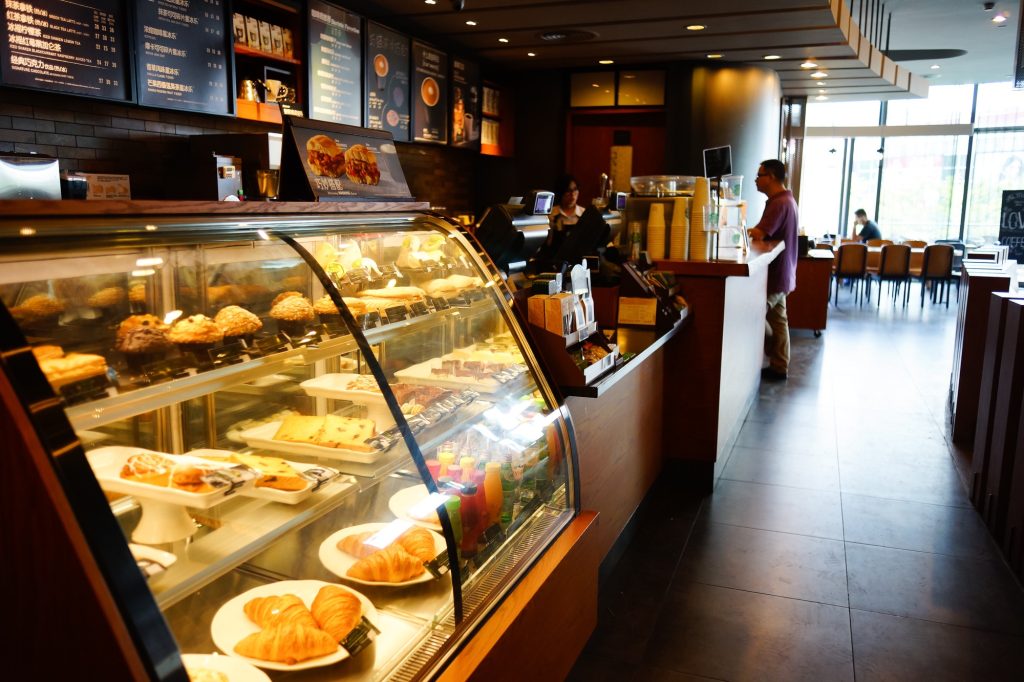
x=246, y=51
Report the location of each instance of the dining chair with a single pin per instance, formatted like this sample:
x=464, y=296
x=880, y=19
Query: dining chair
x=894, y=268
x=879, y=242
x=915, y=243
x=936, y=268
x=958, y=261
x=851, y=265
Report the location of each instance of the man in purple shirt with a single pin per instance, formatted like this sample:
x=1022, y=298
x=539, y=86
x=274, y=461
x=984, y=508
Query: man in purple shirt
x=780, y=222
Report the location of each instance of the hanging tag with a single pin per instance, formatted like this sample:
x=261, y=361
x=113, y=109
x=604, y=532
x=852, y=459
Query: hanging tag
x=273, y=344
x=89, y=388
x=439, y=565
x=228, y=354
x=361, y=637
x=174, y=368
x=439, y=303
x=233, y=478
x=319, y=476
x=490, y=540
x=418, y=309
x=372, y=320
x=396, y=313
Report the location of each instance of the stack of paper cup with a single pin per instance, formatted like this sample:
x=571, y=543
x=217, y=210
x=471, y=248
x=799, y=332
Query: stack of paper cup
x=699, y=209
x=656, y=232
x=678, y=241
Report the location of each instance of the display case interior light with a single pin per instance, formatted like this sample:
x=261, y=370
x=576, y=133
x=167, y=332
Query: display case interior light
x=170, y=317
x=151, y=228
x=154, y=262
x=771, y=57
x=819, y=74
x=696, y=27
x=809, y=64
x=27, y=231
x=148, y=272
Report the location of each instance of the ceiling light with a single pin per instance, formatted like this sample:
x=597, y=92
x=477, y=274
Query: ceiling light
x=819, y=74
x=605, y=61
x=594, y=85
x=999, y=18
x=822, y=90
x=714, y=56
x=531, y=54
x=771, y=57
x=809, y=65
x=27, y=231
x=470, y=23
x=821, y=98
x=936, y=66
x=502, y=40
x=696, y=27
x=430, y=2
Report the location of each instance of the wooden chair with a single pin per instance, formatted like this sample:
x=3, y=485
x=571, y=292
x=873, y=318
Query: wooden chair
x=879, y=242
x=936, y=268
x=958, y=261
x=825, y=246
x=915, y=243
x=851, y=265
x=895, y=269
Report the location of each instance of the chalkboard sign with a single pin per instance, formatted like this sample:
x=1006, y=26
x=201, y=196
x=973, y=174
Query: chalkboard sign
x=73, y=47
x=334, y=64
x=181, y=50
x=429, y=94
x=387, y=81
x=1011, y=223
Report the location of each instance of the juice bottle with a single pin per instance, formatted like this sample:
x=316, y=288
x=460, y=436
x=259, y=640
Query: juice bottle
x=446, y=457
x=472, y=516
x=508, y=492
x=468, y=465
x=452, y=504
x=492, y=491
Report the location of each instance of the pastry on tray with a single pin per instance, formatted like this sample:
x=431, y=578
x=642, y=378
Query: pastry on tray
x=279, y=610
x=300, y=429
x=293, y=314
x=168, y=472
x=37, y=309
x=47, y=352
x=108, y=297
x=134, y=321
x=346, y=433
x=73, y=367
x=205, y=675
x=195, y=334
x=288, y=643
x=237, y=323
x=274, y=472
x=363, y=382
x=394, y=293
x=391, y=565
x=283, y=295
x=337, y=611
x=142, y=346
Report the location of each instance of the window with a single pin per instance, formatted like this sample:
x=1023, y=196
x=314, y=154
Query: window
x=863, y=178
x=820, y=190
x=999, y=106
x=944, y=105
x=593, y=89
x=842, y=114
x=998, y=164
x=641, y=88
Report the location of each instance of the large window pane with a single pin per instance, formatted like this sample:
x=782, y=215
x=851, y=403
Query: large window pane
x=922, y=187
x=944, y=105
x=842, y=114
x=999, y=105
x=864, y=179
x=821, y=183
x=998, y=165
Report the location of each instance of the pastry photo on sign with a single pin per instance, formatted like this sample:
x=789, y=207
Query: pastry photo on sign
x=325, y=156
x=361, y=165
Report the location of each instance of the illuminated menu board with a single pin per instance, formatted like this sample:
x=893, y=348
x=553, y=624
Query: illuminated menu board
x=334, y=64
x=387, y=81
x=429, y=94
x=465, y=86
x=182, y=60
x=75, y=47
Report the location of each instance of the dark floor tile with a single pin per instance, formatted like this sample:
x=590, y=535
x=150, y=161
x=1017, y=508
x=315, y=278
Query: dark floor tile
x=898, y=524
x=897, y=649
x=649, y=673
x=784, y=565
x=977, y=593
x=735, y=635
x=592, y=667
x=882, y=474
x=782, y=468
x=807, y=439
x=770, y=507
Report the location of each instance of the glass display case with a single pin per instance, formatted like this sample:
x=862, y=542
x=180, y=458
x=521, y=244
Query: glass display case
x=322, y=439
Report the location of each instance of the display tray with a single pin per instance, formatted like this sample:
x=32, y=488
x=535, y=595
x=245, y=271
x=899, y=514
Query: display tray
x=236, y=669
x=483, y=353
x=106, y=463
x=423, y=373
x=400, y=502
x=263, y=437
x=230, y=625
x=318, y=477
x=338, y=562
x=336, y=386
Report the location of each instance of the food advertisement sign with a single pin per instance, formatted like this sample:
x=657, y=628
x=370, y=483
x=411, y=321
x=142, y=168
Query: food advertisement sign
x=465, y=125
x=387, y=81
x=334, y=64
x=62, y=46
x=181, y=55
x=429, y=94
x=333, y=162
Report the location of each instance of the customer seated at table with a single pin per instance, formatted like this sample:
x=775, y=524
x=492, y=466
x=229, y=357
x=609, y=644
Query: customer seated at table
x=868, y=228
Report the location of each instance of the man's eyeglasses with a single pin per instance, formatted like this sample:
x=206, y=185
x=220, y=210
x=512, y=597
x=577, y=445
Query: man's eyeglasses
x=763, y=175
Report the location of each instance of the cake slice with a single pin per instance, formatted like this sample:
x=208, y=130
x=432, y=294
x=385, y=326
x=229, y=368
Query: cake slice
x=274, y=472
x=300, y=429
x=348, y=433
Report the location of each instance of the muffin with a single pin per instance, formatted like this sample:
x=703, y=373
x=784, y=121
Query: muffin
x=327, y=311
x=108, y=297
x=142, y=345
x=136, y=321
x=237, y=324
x=41, y=310
x=293, y=314
x=137, y=298
x=283, y=295
x=196, y=335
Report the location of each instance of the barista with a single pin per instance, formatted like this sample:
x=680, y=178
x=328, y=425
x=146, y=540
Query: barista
x=568, y=211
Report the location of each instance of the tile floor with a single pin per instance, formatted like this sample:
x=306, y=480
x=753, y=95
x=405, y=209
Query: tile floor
x=839, y=543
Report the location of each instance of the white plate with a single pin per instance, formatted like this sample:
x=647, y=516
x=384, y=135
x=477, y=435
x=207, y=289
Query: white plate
x=230, y=625
x=407, y=497
x=236, y=669
x=338, y=562
x=106, y=463
x=273, y=494
x=421, y=374
x=263, y=437
x=334, y=386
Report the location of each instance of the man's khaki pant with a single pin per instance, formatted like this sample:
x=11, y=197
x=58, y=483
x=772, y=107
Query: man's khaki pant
x=776, y=340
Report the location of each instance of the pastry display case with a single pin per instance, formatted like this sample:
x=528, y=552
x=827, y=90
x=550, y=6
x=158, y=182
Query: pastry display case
x=321, y=439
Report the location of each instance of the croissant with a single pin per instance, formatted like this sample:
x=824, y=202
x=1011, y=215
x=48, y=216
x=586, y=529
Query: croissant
x=270, y=611
x=419, y=542
x=287, y=643
x=354, y=545
x=391, y=565
x=337, y=611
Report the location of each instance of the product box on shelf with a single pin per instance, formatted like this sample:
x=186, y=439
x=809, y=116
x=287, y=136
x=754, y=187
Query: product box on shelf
x=238, y=22
x=252, y=33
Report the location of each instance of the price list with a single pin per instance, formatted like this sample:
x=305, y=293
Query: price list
x=430, y=94
x=74, y=47
x=387, y=81
x=334, y=64
x=182, y=62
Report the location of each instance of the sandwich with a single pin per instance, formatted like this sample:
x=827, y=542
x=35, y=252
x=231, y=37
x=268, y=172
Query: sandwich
x=361, y=165
x=325, y=156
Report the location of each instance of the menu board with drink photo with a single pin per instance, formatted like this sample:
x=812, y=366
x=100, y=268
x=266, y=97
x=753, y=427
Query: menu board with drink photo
x=430, y=94
x=465, y=103
x=74, y=47
x=387, y=81
x=334, y=64
x=332, y=162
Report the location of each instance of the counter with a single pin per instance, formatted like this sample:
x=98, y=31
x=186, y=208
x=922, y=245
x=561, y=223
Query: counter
x=716, y=361
x=807, y=305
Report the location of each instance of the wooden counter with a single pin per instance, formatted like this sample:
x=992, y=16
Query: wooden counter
x=713, y=367
x=807, y=305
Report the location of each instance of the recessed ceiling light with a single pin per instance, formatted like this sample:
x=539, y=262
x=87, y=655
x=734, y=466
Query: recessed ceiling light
x=531, y=54
x=821, y=98
x=502, y=40
x=605, y=61
x=696, y=27
x=594, y=85
x=808, y=65
x=819, y=74
x=999, y=18
x=430, y=2
x=822, y=90
x=771, y=57
x=936, y=66
x=714, y=56
x=470, y=23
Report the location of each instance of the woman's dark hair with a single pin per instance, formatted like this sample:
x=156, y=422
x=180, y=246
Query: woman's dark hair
x=562, y=186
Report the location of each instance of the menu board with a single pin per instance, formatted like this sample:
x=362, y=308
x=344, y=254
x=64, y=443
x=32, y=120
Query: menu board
x=75, y=47
x=387, y=81
x=465, y=125
x=181, y=54
x=1011, y=223
x=334, y=67
x=332, y=162
x=429, y=94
